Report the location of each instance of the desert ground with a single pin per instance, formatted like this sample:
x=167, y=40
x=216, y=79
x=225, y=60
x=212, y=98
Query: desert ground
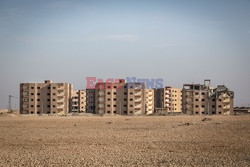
x=125, y=141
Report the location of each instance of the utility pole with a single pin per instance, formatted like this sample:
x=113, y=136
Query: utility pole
x=9, y=104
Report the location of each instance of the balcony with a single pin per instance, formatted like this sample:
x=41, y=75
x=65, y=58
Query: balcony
x=60, y=106
x=60, y=94
x=101, y=93
x=138, y=99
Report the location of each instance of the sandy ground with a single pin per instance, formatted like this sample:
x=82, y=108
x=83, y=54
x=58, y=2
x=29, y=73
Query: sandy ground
x=125, y=141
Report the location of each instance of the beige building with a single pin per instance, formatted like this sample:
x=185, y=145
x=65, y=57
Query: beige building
x=149, y=101
x=45, y=98
x=168, y=100
x=78, y=101
x=123, y=98
x=203, y=99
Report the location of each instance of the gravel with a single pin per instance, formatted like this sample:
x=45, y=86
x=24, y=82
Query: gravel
x=125, y=141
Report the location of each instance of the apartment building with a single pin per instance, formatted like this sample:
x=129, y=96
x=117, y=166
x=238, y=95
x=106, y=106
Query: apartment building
x=90, y=101
x=45, y=98
x=168, y=100
x=199, y=99
x=78, y=101
x=149, y=101
x=123, y=98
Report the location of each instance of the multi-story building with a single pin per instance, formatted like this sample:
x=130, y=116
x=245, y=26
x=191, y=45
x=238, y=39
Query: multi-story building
x=123, y=98
x=90, y=101
x=149, y=101
x=78, y=101
x=168, y=100
x=45, y=98
x=201, y=99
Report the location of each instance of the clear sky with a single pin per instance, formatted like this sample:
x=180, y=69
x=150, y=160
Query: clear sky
x=181, y=41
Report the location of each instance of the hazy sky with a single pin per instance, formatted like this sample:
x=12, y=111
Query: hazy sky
x=181, y=41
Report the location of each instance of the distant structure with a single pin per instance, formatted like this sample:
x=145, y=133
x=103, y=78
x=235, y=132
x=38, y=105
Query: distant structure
x=168, y=100
x=123, y=98
x=78, y=101
x=90, y=101
x=202, y=99
x=45, y=98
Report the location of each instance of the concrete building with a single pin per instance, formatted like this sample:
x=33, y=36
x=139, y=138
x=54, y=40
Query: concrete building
x=123, y=98
x=90, y=101
x=168, y=100
x=201, y=99
x=45, y=98
x=78, y=101
x=149, y=101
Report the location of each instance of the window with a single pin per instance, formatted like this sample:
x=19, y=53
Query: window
x=196, y=99
x=48, y=99
x=32, y=94
x=131, y=112
x=219, y=99
x=54, y=94
x=38, y=105
x=32, y=87
x=48, y=112
x=54, y=99
x=38, y=87
x=114, y=93
x=196, y=112
x=108, y=105
x=48, y=87
x=55, y=88
x=125, y=112
x=213, y=100
x=213, y=106
x=202, y=99
x=125, y=105
x=108, y=93
x=32, y=112
x=196, y=106
x=125, y=99
x=31, y=106
x=196, y=93
x=219, y=106
x=48, y=94
x=131, y=93
x=32, y=99
x=203, y=93
x=114, y=86
x=108, y=111
x=114, y=99
x=114, y=105
x=114, y=111
x=131, y=105
x=131, y=99
x=38, y=94
x=108, y=99
x=203, y=106
x=48, y=106
x=54, y=106
x=38, y=99
x=125, y=93
x=125, y=88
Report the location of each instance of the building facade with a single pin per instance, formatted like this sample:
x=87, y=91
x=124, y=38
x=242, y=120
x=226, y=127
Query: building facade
x=90, y=101
x=168, y=100
x=78, y=101
x=45, y=98
x=123, y=98
x=199, y=99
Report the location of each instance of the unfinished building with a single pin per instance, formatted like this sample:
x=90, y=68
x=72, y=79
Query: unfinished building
x=199, y=99
x=45, y=98
x=168, y=100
